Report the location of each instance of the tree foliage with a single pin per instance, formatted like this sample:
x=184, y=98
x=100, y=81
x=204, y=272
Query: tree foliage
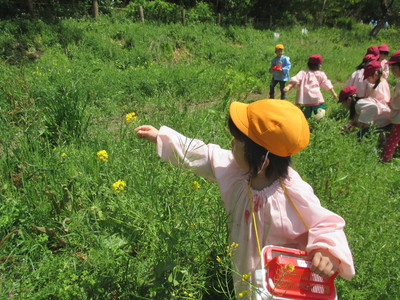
x=269, y=13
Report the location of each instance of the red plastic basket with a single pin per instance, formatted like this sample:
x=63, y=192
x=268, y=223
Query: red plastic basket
x=288, y=275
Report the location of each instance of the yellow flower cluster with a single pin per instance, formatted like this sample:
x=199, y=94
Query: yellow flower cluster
x=131, y=117
x=119, y=186
x=188, y=294
x=195, y=185
x=218, y=259
x=246, y=277
x=289, y=268
x=232, y=247
x=244, y=293
x=63, y=154
x=102, y=155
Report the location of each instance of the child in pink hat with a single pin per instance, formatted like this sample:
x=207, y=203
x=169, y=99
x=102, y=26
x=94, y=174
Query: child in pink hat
x=383, y=54
x=309, y=81
x=394, y=138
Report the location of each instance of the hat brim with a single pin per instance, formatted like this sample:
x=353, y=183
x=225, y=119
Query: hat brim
x=238, y=113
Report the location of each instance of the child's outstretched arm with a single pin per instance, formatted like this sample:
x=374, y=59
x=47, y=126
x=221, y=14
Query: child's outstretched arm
x=288, y=87
x=333, y=93
x=147, y=132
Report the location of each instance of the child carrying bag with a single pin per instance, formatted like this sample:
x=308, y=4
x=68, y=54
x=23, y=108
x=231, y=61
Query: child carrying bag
x=286, y=272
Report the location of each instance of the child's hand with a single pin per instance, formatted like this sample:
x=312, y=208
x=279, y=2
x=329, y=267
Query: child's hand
x=324, y=264
x=147, y=132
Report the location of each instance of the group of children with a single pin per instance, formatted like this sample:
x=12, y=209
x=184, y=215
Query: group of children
x=366, y=95
x=266, y=201
x=309, y=82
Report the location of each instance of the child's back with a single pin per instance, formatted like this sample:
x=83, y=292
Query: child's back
x=357, y=80
x=309, y=83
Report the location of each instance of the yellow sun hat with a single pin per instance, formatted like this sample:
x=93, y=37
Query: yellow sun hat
x=279, y=46
x=277, y=125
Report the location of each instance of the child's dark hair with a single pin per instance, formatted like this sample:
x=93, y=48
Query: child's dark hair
x=312, y=66
x=379, y=79
x=352, y=107
x=362, y=65
x=384, y=52
x=396, y=64
x=254, y=155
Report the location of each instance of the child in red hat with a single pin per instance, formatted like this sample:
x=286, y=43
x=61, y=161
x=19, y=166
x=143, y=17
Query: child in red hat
x=364, y=112
x=357, y=78
x=309, y=81
x=383, y=54
x=266, y=201
x=377, y=86
x=374, y=50
x=394, y=138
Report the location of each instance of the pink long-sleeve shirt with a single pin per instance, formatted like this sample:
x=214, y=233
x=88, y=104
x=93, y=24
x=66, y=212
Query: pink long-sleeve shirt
x=385, y=68
x=357, y=80
x=371, y=111
x=309, y=83
x=381, y=93
x=374, y=108
x=277, y=221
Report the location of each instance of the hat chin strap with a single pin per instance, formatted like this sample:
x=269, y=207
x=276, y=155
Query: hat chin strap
x=263, y=164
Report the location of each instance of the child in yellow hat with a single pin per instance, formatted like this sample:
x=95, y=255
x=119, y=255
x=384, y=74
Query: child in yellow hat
x=280, y=67
x=259, y=189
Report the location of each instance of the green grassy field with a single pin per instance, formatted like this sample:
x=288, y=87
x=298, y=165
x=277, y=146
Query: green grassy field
x=68, y=232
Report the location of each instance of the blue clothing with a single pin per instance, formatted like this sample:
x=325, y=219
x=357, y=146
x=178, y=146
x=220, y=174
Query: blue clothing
x=286, y=65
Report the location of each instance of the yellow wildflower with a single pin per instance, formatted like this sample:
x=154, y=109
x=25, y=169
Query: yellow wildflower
x=218, y=259
x=63, y=154
x=131, y=117
x=244, y=293
x=234, y=245
x=102, y=155
x=195, y=185
x=289, y=268
x=246, y=277
x=119, y=186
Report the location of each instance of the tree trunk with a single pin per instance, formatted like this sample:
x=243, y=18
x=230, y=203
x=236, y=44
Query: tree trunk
x=374, y=32
x=141, y=14
x=30, y=7
x=385, y=7
x=95, y=8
